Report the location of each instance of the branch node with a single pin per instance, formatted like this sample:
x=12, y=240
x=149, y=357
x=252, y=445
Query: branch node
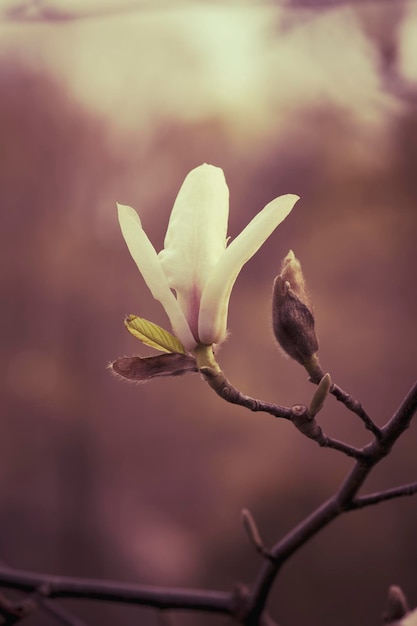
x=44, y=590
x=240, y=596
x=306, y=423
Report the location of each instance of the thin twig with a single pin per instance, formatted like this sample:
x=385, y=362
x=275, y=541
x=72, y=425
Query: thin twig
x=266, y=620
x=401, y=419
x=309, y=427
x=147, y=595
x=252, y=531
x=335, y=444
x=297, y=414
x=356, y=407
x=224, y=388
x=38, y=599
x=397, y=605
x=349, y=401
x=290, y=543
x=381, y=496
x=344, y=500
x=247, y=606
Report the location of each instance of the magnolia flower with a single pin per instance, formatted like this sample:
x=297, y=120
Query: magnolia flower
x=193, y=276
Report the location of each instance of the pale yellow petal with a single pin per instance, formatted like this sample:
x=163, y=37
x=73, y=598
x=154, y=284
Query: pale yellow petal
x=196, y=235
x=215, y=298
x=146, y=258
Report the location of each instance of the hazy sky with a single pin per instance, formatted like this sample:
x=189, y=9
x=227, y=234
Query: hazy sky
x=248, y=62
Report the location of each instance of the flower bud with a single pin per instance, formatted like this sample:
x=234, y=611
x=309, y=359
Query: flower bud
x=292, y=317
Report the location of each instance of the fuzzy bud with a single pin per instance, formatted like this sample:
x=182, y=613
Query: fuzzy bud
x=292, y=316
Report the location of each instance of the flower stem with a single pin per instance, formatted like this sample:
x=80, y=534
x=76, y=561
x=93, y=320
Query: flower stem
x=205, y=358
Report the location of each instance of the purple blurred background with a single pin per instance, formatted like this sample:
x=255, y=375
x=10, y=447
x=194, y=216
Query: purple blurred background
x=146, y=483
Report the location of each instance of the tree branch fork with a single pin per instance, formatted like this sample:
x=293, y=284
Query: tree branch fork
x=247, y=605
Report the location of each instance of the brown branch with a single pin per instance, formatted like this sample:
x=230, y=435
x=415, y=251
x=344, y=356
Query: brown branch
x=298, y=537
x=317, y=374
x=344, y=500
x=266, y=620
x=396, y=607
x=298, y=414
x=252, y=531
x=247, y=606
x=381, y=496
x=159, y=597
x=356, y=408
x=269, y=569
x=401, y=419
x=335, y=444
x=223, y=387
x=37, y=600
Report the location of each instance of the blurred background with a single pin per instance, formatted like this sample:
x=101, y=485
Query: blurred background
x=116, y=101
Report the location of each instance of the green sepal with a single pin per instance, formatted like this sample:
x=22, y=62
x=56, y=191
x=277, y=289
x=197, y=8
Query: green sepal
x=153, y=335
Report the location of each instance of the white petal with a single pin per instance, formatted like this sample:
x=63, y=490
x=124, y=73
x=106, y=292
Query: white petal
x=146, y=259
x=196, y=235
x=216, y=294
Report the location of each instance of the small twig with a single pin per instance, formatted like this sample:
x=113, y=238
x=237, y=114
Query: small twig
x=223, y=387
x=344, y=500
x=382, y=496
x=38, y=598
x=298, y=414
x=147, y=595
x=308, y=426
x=266, y=620
x=253, y=533
x=13, y=612
x=317, y=375
x=397, y=605
x=401, y=419
x=357, y=408
x=335, y=444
